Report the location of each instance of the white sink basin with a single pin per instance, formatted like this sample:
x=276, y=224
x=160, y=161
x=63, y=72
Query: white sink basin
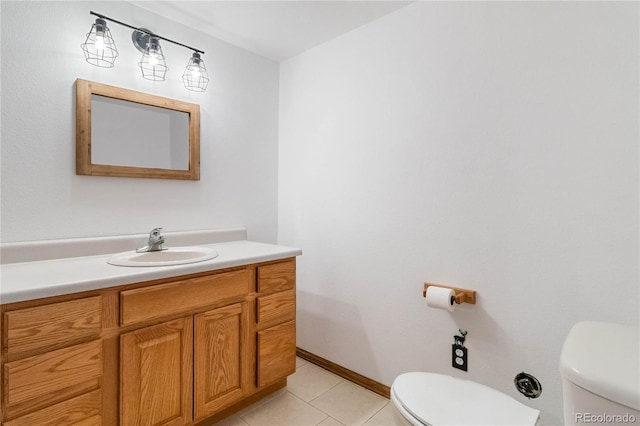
x=168, y=257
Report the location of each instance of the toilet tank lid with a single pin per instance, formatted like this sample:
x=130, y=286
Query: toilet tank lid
x=438, y=399
x=604, y=358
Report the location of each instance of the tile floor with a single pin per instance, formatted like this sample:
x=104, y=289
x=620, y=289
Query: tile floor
x=314, y=396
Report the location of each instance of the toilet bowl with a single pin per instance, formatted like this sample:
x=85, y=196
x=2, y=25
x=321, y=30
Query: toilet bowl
x=436, y=399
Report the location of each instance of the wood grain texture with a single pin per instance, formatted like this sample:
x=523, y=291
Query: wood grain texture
x=276, y=307
x=156, y=375
x=48, y=375
x=276, y=353
x=84, y=409
x=110, y=309
x=277, y=276
x=218, y=369
x=53, y=325
x=110, y=385
x=83, y=127
x=161, y=300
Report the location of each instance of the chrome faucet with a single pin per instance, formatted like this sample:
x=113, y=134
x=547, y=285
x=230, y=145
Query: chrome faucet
x=155, y=242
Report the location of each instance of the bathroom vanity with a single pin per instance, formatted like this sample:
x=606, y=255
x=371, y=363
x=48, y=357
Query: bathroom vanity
x=190, y=347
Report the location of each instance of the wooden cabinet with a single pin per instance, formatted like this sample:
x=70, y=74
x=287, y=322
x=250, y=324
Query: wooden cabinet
x=167, y=352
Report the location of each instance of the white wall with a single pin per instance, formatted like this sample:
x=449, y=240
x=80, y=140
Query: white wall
x=43, y=198
x=490, y=146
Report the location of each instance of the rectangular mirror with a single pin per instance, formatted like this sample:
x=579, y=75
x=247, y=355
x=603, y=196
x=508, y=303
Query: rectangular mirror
x=121, y=132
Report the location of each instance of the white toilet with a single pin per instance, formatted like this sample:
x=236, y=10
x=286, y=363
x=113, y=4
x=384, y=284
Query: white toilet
x=436, y=399
x=600, y=368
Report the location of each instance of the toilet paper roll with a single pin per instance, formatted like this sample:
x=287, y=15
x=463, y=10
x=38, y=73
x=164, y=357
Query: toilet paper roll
x=441, y=298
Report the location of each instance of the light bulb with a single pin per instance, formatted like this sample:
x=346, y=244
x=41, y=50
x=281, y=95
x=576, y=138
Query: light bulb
x=195, y=72
x=153, y=59
x=99, y=42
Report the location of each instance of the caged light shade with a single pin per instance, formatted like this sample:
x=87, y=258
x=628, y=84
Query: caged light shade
x=99, y=48
x=153, y=64
x=195, y=76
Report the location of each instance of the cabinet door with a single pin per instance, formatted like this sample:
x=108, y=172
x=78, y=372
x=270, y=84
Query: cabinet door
x=220, y=375
x=276, y=353
x=155, y=375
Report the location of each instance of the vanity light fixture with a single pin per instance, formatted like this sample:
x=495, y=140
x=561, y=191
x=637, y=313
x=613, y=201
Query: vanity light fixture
x=195, y=77
x=152, y=64
x=100, y=50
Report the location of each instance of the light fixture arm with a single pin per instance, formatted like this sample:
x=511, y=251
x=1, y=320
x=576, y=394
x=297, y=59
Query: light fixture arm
x=142, y=30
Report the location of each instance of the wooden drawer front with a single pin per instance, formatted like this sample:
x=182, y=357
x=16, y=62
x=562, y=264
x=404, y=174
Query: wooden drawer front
x=55, y=324
x=53, y=374
x=278, y=307
x=276, y=353
x=277, y=277
x=82, y=410
x=165, y=299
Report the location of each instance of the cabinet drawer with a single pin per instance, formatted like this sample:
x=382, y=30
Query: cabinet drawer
x=277, y=276
x=276, y=353
x=82, y=410
x=165, y=299
x=55, y=324
x=53, y=375
x=277, y=306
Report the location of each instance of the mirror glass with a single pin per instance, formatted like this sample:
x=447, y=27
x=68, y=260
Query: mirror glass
x=132, y=134
x=151, y=136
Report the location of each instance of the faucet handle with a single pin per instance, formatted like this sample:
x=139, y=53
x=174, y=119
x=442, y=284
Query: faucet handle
x=155, y=241
x=155, y=236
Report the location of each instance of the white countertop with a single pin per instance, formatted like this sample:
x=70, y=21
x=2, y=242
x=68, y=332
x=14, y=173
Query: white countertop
x=53, y=277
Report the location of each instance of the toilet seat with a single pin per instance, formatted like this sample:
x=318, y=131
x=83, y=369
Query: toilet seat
x=436, y=399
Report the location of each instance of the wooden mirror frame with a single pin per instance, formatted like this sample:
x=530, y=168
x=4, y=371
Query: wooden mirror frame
x=84, y=166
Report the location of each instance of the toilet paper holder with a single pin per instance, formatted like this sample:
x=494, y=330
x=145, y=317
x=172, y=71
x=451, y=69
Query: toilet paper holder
x=462, y=294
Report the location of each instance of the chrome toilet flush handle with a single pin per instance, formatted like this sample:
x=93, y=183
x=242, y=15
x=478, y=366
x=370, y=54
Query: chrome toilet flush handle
x=528, y=385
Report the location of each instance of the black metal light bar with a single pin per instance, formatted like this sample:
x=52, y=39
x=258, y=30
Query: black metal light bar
x=142, y=30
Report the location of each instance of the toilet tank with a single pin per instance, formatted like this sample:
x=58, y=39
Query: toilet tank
x=600, y=368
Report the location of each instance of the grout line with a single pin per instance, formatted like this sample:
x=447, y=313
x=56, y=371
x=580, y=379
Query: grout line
x=305, y=402
x=324, y=393
x=377, y=412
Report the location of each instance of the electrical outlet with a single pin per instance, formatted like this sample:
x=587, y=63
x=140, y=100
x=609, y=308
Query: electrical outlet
x=459, y=358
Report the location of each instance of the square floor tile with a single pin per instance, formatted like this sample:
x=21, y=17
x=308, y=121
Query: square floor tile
x=349, y=403
x=285, y=410
x=311, y=381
